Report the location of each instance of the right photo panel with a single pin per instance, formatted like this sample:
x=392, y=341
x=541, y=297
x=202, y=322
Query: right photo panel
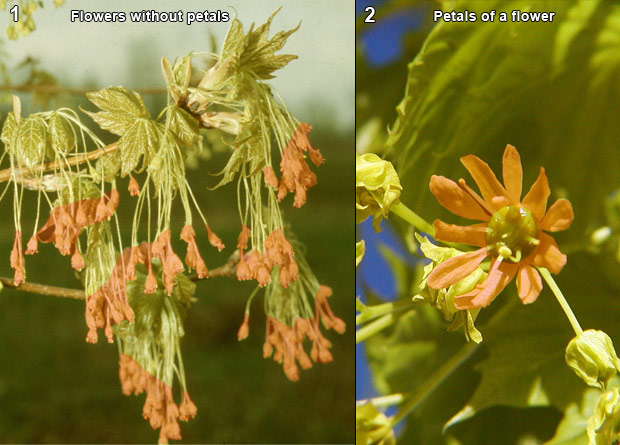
x=488, y=222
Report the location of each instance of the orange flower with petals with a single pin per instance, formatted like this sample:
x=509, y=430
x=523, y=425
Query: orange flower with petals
x=512, y=231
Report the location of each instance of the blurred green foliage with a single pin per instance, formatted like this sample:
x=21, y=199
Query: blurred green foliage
x=550, y=89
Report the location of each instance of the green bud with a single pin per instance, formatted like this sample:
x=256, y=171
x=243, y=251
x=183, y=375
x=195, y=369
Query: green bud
x=372, y=426
x=604, y=425
x=377, y=188
x=360, y=249
x=592, y=356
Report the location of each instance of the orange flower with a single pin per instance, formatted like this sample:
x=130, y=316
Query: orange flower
x=170, y=262
x=244, y=329
x=511, y=232
x=193, y=258
x=244, y=237
x=17, y=260
x=214, y=240
x=296, y=175
x=134, y=187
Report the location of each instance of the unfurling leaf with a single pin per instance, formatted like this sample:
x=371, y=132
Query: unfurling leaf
x=183, y=125
x=255, y=51
x=182, y=71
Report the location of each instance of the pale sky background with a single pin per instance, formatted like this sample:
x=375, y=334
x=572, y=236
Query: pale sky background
x=104, y=54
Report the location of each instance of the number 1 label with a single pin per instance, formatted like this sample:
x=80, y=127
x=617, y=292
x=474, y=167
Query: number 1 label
x=15, y=11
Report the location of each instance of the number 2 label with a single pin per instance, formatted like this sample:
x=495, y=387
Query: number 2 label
x=371, y=12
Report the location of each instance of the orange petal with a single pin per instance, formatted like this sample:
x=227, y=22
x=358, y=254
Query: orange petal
x=529, y=284
x=455, y=199
x=485, y=178
x=499, y=201
x=536, y=198
x=483, y=294
x=548, y=254
x=513, y=174
x=456, y=268
x=558, y=217
x=474, y=234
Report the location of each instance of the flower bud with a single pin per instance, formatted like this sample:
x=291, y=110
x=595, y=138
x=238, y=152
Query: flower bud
x=604, y=425
x=377, y=188
x=593, y=358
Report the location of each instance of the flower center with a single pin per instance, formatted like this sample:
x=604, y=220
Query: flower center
x=512, y=232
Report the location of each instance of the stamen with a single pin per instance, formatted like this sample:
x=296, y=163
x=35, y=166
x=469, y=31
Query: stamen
x=475, y=196
x=532, y=240
x=516, y=258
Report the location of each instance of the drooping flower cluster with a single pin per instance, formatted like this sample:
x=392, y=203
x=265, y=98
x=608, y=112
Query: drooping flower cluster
x=292, y=318
x=160, y=409
x=277, y=252
x=32, y=141
x=162, y=147
x=511, y=232
x=247, y=109
x=108, y=304
x=296, y=175
x=285, y=342
x=150, y=357
x=66, y=222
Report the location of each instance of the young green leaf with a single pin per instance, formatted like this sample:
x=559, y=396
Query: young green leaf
x=61, y=136
x=140, y=139
x=120, y=109
x=183, y=125
x=30, y=141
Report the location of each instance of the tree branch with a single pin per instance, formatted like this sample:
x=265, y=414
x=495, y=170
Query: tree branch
x=52, y=89
x=5, y=175
x=44, y=289
x=225, y=270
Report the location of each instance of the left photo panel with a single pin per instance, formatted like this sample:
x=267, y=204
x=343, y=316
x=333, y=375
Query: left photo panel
x=177, y=227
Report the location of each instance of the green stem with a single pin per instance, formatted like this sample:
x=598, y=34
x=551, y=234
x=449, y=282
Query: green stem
x=561, y=299
x=412, y=218
x=372, y=328
x=369, y=312
x=418, y=396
